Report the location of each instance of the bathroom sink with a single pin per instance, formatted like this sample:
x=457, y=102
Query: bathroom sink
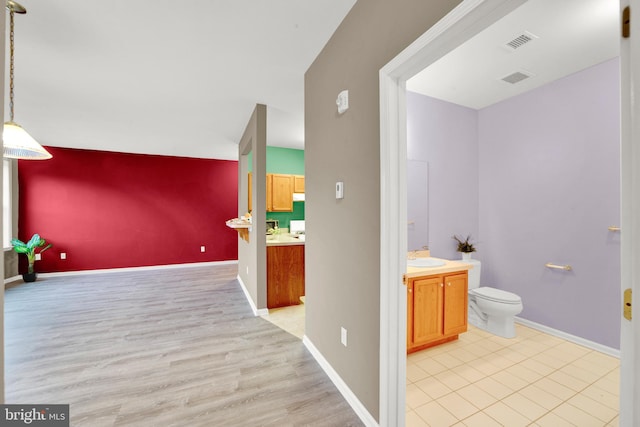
x=425, y=262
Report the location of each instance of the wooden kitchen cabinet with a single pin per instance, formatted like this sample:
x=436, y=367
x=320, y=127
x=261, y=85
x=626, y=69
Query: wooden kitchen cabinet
x=436, y=309
x=298, y=183
x=249, y=189
x=285, y=275
x=279, y=192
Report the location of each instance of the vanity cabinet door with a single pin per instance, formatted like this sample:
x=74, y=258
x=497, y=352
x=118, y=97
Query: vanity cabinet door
x=436, y=309
x=455, y=304
x=427, y=310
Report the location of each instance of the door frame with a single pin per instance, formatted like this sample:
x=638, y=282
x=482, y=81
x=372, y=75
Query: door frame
x=630, y=217
x=466, y=20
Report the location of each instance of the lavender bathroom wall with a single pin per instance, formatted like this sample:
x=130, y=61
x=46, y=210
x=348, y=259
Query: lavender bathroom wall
x=535, y=179
x=444, y=136
x=549, y=188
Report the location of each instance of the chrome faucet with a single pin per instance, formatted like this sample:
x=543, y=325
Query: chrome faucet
x=414, y=253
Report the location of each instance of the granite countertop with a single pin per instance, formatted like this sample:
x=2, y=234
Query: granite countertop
x=448, y=267
x=285, y=239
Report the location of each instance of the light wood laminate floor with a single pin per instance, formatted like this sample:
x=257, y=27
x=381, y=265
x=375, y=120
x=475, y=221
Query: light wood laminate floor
x=176, y=347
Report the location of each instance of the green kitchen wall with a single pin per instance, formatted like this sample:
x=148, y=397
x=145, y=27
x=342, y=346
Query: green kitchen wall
x=287, y=161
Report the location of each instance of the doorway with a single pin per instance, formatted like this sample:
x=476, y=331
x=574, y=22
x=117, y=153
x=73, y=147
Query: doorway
x=465, y=21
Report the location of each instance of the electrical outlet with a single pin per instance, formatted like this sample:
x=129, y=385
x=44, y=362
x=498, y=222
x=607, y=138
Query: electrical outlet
x=63, y=255
x=343, y=336
x=38, y=257
x=202, y=248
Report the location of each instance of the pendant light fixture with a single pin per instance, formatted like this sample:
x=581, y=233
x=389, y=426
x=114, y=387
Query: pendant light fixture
x=18, y=144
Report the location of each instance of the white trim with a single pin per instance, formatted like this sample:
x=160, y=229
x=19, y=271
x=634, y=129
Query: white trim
x=573, y=338
x=392, y=352
x=123, y=270
x=409, y=62
x=630, y=218
x=256, y=310
x=10, y=280
x=143, y=268
x=467, y=19
x=344, y=389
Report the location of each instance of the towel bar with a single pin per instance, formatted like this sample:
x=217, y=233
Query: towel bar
x=558, y=267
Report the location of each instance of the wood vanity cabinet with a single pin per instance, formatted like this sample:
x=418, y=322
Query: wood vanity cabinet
x=436, y=309
x=279, y=192
x=285, y=275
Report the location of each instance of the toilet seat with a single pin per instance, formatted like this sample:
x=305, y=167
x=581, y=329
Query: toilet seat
x=496, y=295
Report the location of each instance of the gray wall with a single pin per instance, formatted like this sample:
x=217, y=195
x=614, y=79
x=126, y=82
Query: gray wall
x=252, y=255
x=343, y=236
x=10, y=263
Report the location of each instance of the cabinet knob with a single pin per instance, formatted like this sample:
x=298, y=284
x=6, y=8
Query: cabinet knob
x=448, y=284
x=410, y=290
x=441, y=285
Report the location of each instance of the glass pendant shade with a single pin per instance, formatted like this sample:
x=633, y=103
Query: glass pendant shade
x=18, y=144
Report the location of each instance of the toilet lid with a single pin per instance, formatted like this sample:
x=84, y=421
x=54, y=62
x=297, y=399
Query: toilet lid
x=497, y=295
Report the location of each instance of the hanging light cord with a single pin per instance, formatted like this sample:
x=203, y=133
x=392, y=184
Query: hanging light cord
x=11, y=65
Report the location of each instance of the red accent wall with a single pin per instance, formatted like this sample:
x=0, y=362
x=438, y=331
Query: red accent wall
x=111, y=210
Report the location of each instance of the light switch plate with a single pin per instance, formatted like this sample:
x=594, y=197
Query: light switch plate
x=343, y=101
x=339, y=190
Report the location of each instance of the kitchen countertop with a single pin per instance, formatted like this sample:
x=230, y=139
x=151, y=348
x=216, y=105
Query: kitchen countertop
x=449, y=267
x=284, y=239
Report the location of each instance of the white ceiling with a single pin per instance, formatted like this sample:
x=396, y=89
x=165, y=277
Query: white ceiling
x=166, y=77
x=182, y=78
x=572, y=35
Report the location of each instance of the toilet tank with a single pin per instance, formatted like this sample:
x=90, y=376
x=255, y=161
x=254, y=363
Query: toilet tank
x=474, y=273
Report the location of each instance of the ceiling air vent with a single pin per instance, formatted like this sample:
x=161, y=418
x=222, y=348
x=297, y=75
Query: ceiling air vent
x=516, y=77
x=520, y=40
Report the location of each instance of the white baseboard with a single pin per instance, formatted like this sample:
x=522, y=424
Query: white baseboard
x=127, y=269
x=10, y=280
x=574, y=339
x=344, y=389
x=256, y=310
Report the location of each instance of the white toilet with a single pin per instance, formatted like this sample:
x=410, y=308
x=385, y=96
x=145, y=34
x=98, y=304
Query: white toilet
x=491, y=309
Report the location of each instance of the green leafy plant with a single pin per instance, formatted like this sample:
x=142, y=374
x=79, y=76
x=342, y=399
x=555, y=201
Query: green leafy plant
x=29, y=248
x=464, y=245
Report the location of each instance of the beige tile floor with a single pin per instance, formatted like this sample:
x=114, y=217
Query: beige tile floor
x=291, y=319
x=483, y=380
x=534, y=379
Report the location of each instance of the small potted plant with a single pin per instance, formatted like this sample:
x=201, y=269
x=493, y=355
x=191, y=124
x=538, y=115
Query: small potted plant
x=465, y=246
x=29, y=249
